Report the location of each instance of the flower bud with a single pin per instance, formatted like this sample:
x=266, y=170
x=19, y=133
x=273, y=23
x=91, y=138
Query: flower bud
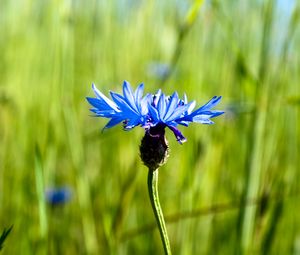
x=154, y=147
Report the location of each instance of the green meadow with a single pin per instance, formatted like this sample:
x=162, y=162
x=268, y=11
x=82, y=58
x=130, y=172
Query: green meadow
x=232, y=188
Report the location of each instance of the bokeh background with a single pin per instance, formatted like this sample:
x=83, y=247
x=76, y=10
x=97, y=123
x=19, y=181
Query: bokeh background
x=233, y=188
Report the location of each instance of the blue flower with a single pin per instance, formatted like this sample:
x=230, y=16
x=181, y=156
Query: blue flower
x=159, y=70
x=151, y=110
x=131, y=109
x=57, y=196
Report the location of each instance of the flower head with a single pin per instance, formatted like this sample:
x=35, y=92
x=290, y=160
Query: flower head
x=58, y=196
x=150, y=111
x=159, y=70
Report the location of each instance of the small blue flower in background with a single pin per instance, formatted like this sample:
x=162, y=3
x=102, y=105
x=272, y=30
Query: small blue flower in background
x=158, y=70
x=151, y=111
x=58, y=196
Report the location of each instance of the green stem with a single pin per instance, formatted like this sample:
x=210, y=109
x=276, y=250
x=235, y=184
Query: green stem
x=153, y=194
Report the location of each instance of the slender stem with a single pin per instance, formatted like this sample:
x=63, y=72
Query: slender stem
x=153, y=194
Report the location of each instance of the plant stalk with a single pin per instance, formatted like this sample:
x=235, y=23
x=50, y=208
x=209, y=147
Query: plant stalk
x=153, y=194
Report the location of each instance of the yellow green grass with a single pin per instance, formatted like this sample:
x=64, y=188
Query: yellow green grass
x=233, y=188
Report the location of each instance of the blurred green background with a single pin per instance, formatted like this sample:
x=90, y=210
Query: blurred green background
x=233, y=188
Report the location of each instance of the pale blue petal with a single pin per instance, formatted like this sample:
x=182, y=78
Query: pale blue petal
x=128, y=95
x=146, y=100
x=156, y=97
x=179, y=111
x=161, y=106
x=122, y=104
x=104, y=98
x=185, y=99
x=216, y=113
x=138, y=94
x=203, y=119
x=191, y=107
x=171, y=106
x=104, y=113
x=99, y=104
x=154, y=114
x=210, y=104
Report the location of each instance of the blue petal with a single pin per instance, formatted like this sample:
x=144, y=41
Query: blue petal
x=128, y=95
x=210, y=104
x=191, y=107
x=206, y=115
x=172, y=105
x=104, y=113
x=179, y=111
x=156, y=97
x=184, y=123
x=132, y=123
x=185, y=99
x=113, y=122
x=154, y=114
x=216, y=113
x=203, y=119
x=138, y=94
x=122, y=104
x=179, y=136
x=102, y=97
x=202, y=114
x=97, y=103
x=161, y=106
x=146, y=100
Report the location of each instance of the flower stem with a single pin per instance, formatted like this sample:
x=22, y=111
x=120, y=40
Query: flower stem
x=153, y=194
